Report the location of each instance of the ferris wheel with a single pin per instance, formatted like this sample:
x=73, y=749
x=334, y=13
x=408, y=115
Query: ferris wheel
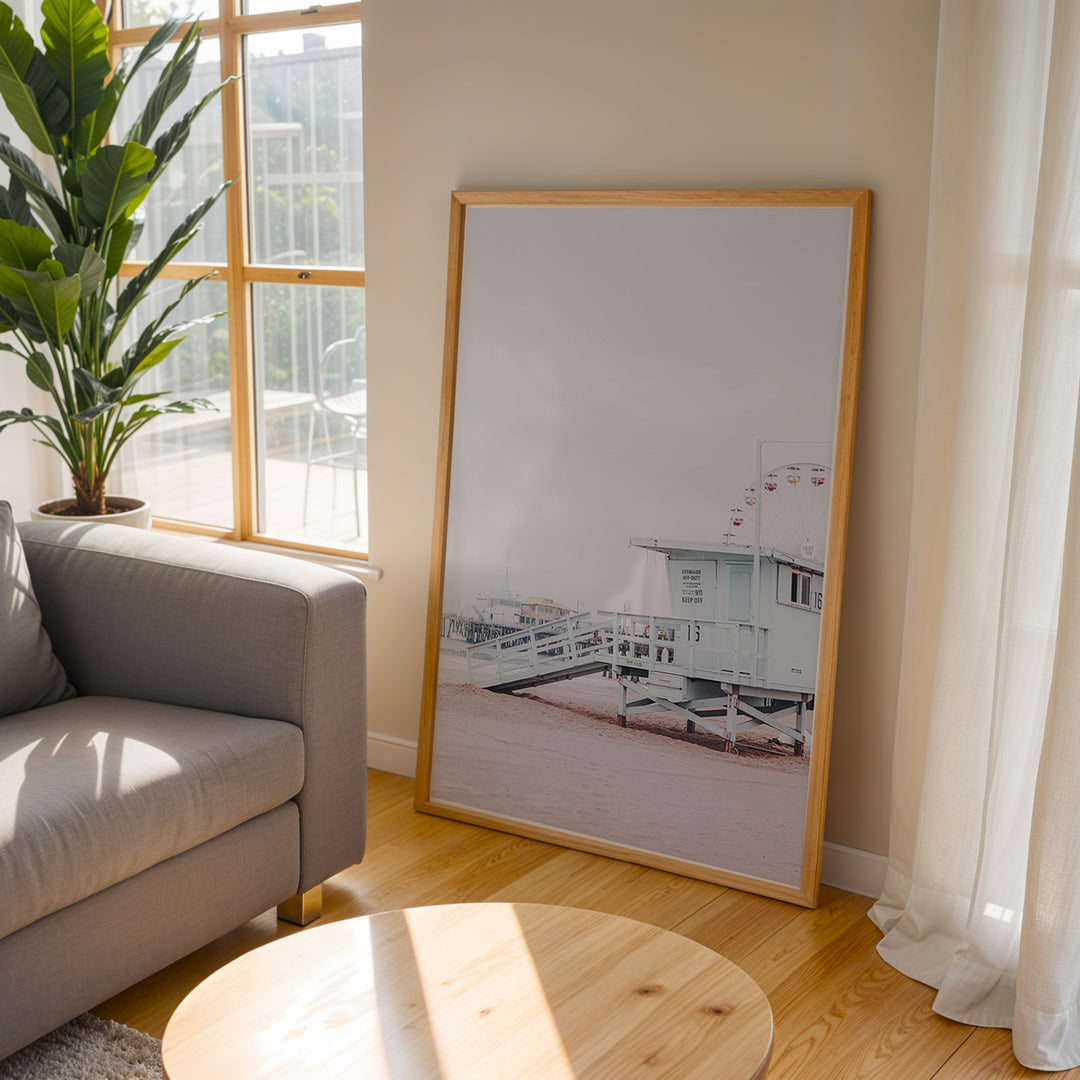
x=794, y=507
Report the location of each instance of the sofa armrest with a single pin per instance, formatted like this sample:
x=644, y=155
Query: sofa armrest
x=144, y=615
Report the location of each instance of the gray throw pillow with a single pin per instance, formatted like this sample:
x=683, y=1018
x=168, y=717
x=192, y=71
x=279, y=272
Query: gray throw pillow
x=30, y=675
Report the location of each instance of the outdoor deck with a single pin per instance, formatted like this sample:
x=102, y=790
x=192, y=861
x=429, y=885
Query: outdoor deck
x=183, y=465
x=198, y=488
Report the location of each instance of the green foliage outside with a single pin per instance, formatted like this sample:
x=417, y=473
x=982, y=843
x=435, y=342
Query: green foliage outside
x=140, y=13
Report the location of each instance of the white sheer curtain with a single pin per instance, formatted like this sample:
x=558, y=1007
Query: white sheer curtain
x=983, y=893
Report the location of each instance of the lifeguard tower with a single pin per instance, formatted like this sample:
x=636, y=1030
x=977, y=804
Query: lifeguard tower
x=739, y=647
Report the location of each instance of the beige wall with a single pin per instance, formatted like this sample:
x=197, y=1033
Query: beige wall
x=28, y=474
x=623, y=94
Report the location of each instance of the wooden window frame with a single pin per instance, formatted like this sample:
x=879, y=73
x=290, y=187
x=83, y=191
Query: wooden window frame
x=238, y=272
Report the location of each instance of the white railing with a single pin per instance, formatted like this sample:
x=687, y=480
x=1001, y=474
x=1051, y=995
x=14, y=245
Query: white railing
x=536, y=651
x=646, y=644
x=692, y=648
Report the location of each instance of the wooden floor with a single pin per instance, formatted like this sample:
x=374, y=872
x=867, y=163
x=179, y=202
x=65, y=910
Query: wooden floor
x=840, y=1011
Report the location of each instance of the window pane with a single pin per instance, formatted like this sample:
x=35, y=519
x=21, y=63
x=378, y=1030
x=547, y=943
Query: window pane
x=182, y=462
x=311, y=413
x=153, y=12
x=305, y=157
x=196, y=172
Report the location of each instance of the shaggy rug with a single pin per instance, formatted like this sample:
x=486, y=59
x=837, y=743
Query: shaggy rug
x=87, y=1048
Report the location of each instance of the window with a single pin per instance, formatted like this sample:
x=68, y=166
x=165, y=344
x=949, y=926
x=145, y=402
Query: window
x=798, y=588
x=282, y=457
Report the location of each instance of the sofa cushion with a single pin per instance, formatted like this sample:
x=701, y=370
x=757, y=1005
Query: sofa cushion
x=96, y=789
x=29, y=673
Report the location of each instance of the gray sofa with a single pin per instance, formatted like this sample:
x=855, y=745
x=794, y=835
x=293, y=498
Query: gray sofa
x=190, y=753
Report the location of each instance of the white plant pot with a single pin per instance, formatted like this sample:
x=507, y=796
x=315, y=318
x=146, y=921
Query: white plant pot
x=122, y=511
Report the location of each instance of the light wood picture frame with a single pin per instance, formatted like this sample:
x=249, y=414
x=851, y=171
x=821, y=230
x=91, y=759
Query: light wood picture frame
x=644, y=475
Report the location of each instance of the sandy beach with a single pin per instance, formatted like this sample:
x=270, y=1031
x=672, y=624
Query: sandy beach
x=555, y=756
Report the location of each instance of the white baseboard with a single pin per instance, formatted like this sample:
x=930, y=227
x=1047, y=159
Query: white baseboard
x=391, y=754
x=847, y=868
x=856, y=871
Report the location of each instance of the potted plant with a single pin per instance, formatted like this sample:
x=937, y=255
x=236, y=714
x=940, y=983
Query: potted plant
x=62, y=240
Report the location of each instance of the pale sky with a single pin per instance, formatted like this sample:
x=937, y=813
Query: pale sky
x=616, y=368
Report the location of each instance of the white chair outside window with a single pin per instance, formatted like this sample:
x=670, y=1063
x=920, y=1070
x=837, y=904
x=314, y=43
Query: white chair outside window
x=339, y=383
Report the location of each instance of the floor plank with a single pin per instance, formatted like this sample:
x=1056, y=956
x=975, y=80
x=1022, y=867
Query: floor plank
x=576, y=879
x=988, y=1055
x=845, y=1013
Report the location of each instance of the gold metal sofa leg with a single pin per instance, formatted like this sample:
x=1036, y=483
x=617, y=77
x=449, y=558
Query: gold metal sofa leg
x=302, y=908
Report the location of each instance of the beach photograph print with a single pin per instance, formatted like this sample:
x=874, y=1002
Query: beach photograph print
x=643, y=494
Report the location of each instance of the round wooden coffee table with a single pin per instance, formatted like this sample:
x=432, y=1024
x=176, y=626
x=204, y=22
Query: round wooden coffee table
x=474, y=992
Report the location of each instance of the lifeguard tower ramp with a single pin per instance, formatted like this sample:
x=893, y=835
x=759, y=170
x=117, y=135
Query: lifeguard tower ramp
x=699, y=669
x=554, y=651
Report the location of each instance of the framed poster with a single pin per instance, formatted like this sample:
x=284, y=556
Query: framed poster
x=644, y=474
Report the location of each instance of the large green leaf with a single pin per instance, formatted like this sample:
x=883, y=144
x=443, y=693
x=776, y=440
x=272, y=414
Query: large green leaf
x=114, y=378
x=54, y=269
x=39, y=371
x=169, y=143
x=54, y=216
x=24, y=416
x=50, y=209
x=23, y=246
x=95, y=126
x=56, y=436
x=147, y=411
x=77, y=48
x=26, y=320
x=171, y=83
x=115, y=177
x=23, y=166
x=70, y=180
x=133, y=359
x=51, y=99
x=162, y=36
x=18, y=313
x=119, y=240
x=52, y=302
x=55, y=301
x=92, y=413
x=13, y=203
x=17, y=52
x=10, y=416
x=50, y=427
x=153, y=358
x=88, y=388
x=143, y=415
x=84, y=261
